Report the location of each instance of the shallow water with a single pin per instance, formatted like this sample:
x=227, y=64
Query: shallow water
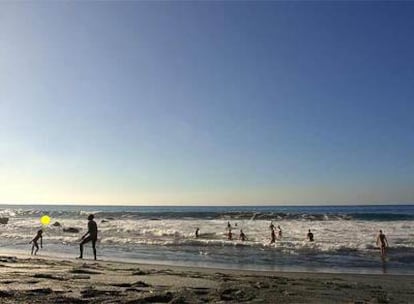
x=344, y=236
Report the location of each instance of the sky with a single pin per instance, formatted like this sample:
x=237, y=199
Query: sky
x=207, y=103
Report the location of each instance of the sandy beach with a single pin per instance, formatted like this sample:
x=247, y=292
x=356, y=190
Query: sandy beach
x=48, y=280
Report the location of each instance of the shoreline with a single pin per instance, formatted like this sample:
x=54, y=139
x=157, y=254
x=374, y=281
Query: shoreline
x=61, y=280
x=23, y=254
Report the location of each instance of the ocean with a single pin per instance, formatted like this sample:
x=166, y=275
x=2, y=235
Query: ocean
x=345, y=236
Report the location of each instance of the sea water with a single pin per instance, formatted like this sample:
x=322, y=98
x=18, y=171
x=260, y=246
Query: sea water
x=345, y=236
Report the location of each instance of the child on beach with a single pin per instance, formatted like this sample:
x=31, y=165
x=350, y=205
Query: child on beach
x=34, y=241
x=279, y=232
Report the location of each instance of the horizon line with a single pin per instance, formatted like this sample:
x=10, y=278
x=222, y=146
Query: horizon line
x=211, y=205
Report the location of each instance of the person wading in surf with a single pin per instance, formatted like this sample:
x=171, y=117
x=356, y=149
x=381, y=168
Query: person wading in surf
x=279, y=232
x=382, y=242
x=273, y=236
x=310, y=236
x=242, y=236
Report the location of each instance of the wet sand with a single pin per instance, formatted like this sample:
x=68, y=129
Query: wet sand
x=47, y=280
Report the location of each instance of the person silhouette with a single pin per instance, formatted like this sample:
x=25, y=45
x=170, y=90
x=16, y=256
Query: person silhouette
x=310, y=236
x=229, y=235
x=242, y=236
x=383, y=242
x=34, y=241
x=90, y=236
x=273, y=236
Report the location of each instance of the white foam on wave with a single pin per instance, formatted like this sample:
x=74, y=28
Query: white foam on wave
x=336, y=235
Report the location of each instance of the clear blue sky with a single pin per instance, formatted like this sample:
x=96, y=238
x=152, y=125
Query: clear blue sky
x=207, y=102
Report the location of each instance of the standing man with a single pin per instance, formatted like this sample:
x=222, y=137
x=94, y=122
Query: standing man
x=273, y=236
x=310, y=236
x=383, y=242
x=92, y=235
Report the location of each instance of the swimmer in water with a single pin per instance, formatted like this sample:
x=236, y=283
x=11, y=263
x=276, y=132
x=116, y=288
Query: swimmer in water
x=197, y=232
